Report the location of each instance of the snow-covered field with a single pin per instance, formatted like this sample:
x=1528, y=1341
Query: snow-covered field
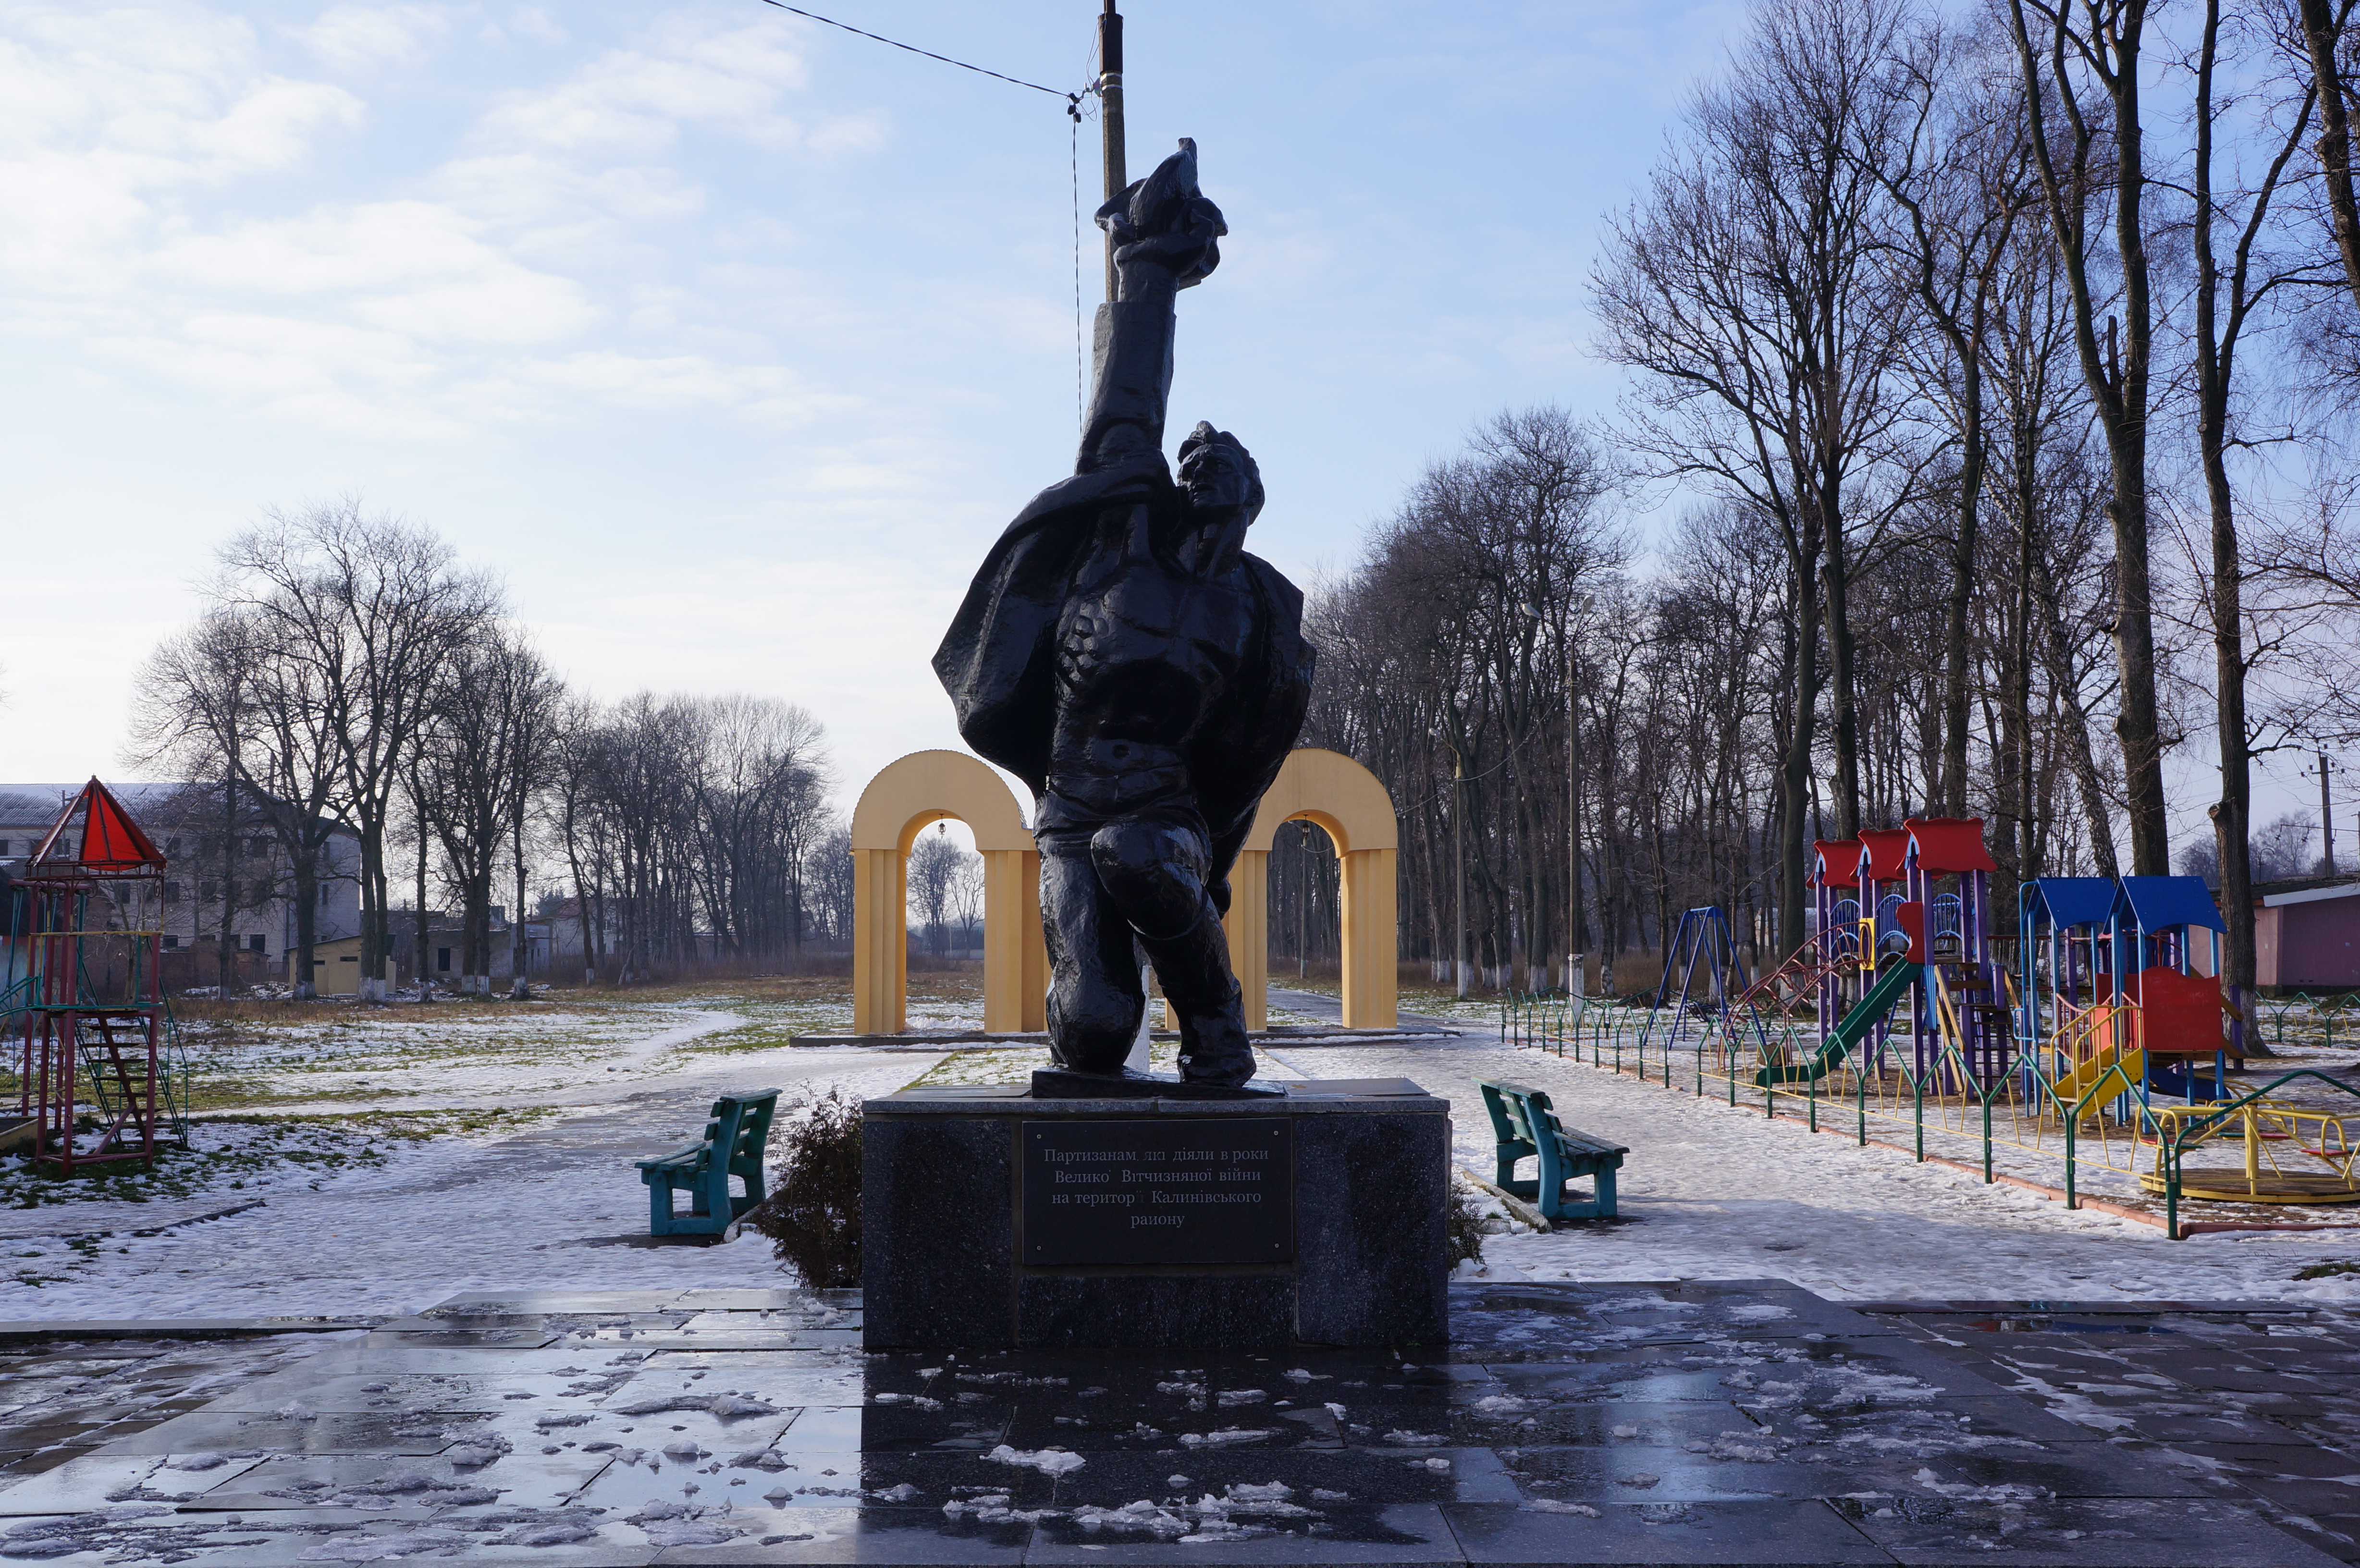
x=402, y=1157
x=1710, y=1192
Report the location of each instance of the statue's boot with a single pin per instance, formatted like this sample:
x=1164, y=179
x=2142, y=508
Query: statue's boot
x=1194, y=969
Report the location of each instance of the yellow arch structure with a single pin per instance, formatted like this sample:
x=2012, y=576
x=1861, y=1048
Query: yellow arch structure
x=905, y=797
x=1350, y=803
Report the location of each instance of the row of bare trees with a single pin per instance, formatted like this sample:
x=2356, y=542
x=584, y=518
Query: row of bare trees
x=698, y=829
x=346, y=672
x=1993, y=358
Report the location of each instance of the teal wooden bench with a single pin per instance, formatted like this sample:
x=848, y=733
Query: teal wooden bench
x=732, y=1146
x=1527, y=1128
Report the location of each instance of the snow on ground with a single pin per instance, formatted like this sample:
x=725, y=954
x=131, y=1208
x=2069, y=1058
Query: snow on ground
x=1709, y=1191
x=546, y=1205
x=403, y=1157
x=474, y=1052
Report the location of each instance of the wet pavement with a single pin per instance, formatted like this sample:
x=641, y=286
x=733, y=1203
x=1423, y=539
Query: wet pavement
x=1697, y=1422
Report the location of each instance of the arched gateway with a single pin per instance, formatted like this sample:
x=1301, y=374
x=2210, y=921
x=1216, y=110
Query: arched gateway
x=905, y=797
x=1349, y=802
x=1324, y=787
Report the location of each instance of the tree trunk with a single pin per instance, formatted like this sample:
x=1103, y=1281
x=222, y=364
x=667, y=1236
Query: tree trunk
x=2117, y=375
x=1835, y=570
x=373, y=906
x=1962, y=573
x=516, y=985
x=1795, y=773
x=2322, y=33
x=225, y=940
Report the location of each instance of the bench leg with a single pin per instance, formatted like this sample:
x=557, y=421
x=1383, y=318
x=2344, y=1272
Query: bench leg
x=659, y=1208
x=1605, y=1205
x=1552, y=1185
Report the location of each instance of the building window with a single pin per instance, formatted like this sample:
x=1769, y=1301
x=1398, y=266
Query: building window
x=208, y=891
x=5, y=849
x=323, y=895
x=442, y=959
x=171, y=847
x=171, y=895
x=256, y=944
x=171, y=941
x=258, y=848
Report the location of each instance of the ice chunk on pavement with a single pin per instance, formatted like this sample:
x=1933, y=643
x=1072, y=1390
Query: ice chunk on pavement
x=1048, y=1460
x=1228, y=1437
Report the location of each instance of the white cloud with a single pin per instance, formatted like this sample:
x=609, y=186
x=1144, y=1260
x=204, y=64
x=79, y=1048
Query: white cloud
x=138, y=148
x=356, y=38
x=154, y=97
x=632, y=103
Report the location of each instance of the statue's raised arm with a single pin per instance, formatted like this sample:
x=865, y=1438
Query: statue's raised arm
x=1167, y=238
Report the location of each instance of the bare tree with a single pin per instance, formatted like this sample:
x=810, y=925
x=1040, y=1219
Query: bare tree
x=482, y=753
x=937, y=868
x=369, y=609
x=2228, y=293
x=2083, y=61
x=235, y=699
x=1744, y=290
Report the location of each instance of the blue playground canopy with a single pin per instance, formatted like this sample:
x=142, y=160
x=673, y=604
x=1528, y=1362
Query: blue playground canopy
x=2159, y=903
x=2076, y=900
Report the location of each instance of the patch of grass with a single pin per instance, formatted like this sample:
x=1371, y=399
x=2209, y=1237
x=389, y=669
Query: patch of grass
x=2327, y=1270
x=318, y=1146
x=184, y=1173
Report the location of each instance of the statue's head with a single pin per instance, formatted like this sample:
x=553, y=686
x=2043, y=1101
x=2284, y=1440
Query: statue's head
x=1224, y=491
x=1220, y=479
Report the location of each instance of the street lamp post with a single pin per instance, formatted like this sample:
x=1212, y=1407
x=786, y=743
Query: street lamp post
x=1578, y=604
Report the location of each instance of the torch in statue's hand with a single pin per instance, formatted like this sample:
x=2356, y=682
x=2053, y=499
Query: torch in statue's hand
x=1163, y=228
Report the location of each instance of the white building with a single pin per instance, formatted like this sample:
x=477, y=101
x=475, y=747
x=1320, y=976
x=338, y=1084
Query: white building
x=212, y=868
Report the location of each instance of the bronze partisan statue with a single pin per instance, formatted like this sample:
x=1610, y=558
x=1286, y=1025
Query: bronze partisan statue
x=1120, y=653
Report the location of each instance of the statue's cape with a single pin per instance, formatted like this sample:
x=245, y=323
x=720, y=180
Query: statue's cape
x=997, y=659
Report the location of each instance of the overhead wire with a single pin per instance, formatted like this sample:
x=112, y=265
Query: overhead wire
x=1074, y=155
x=1013, y=81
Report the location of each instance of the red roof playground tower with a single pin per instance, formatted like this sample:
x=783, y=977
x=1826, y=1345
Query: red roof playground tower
x=85, y=994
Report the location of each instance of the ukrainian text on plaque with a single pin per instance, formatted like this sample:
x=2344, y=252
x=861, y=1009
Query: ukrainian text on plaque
x=1175, y=1189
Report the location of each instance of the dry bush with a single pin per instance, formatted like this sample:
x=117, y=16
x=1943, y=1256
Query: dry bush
x=813, y=1217
x=1465, y=1224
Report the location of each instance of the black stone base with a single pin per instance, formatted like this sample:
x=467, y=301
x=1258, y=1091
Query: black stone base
x=1064, y=1083
x=1364, y=1262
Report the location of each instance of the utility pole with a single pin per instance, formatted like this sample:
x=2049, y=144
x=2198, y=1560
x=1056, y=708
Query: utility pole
x=1572, y=831
x=1458, y=853
x=1111, y=120
x=2326, y=814
x=1578, y=604
x=1303, y=898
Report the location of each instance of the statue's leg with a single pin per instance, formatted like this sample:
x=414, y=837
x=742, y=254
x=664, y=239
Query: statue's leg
x=1095, y=1000
x=1154, y=869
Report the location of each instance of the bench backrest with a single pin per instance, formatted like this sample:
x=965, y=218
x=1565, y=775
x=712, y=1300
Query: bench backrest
x=752, y=1132
x=1519, y=1114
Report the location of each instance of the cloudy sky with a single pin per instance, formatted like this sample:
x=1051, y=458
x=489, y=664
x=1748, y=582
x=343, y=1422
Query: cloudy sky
x=730, y=341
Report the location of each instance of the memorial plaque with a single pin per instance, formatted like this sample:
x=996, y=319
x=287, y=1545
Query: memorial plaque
x=1175, y=1189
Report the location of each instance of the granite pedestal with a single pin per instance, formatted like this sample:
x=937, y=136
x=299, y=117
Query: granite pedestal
x=993, y=1221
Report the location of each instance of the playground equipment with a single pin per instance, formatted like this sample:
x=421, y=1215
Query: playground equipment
x=83, y=993
x=1703, y=955
x=2105, y=1042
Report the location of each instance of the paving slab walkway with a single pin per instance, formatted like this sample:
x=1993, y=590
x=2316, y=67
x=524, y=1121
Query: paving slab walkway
x=1736, y=1421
